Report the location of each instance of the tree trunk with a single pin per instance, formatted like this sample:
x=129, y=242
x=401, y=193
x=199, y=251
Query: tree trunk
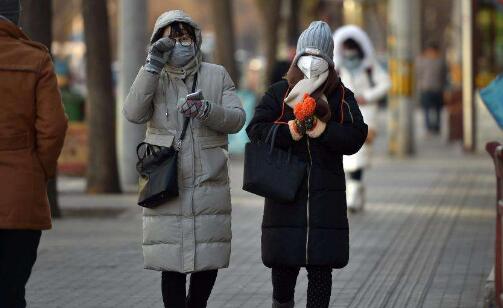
x=225, y=42
x=36, y=20
x=270, y=12
x=102, y=175
x=293, y=26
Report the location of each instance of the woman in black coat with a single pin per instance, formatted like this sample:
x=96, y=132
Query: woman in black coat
x=312, y=231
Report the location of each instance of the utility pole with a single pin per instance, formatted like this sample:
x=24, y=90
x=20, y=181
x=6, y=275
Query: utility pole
x=403, y=16
x=132, y=53
x=468, y=80
x=353, y=12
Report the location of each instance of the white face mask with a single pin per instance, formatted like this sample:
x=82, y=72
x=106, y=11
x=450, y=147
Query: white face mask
x=312, y=66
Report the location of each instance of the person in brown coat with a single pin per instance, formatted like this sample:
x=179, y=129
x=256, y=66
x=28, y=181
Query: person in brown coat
x=32, y=130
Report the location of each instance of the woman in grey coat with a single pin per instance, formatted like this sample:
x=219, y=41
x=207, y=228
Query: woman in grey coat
x=192, y=233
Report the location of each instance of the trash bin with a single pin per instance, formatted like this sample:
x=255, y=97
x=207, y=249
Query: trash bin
x=74, y=105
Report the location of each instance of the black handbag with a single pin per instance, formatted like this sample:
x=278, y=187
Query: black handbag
x=158, y=169
x=271, y=172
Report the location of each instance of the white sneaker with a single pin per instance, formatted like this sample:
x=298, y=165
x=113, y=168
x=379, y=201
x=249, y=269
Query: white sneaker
x=355, y=195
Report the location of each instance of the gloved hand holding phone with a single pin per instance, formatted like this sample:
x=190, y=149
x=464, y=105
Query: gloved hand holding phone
x=195, y=106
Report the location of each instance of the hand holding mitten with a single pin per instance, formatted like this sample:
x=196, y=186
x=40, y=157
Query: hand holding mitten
x=295, y=131
x=307, y=122
x=318, y=128
x=304, y=113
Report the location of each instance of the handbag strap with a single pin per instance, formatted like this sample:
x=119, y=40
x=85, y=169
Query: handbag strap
x=138, y=149
x=271, y=135
x=149, y=150
x=187, y=120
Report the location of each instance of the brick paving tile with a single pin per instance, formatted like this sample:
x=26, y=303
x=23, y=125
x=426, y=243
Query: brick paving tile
x=424, y=240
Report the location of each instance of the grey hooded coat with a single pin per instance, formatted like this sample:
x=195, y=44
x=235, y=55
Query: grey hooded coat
x=192, y=232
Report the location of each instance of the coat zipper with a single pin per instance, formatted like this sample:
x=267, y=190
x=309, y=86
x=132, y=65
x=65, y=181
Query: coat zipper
x=308, y=195
x=189, y=128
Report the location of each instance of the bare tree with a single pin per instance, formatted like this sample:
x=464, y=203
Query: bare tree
x=36, y=20
x=270, y=12
x=293, y=24
x=224, y=30
x=102, y=175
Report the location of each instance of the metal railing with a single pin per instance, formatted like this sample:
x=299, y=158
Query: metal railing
x=495, y=149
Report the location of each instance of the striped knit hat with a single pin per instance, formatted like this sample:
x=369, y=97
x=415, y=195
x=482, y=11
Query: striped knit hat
x=316, y=40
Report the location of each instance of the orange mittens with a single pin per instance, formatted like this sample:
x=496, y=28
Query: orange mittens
x=305, y=120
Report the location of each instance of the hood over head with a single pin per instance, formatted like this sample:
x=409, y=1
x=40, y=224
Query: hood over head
x=170, y=17
x=358, y=35
x=165, y=20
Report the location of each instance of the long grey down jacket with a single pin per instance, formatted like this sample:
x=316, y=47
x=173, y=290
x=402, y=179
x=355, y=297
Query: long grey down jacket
x=192, y=232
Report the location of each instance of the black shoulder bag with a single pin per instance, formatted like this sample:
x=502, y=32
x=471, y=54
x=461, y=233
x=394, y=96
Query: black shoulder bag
x=158, y=169
x=271, y=172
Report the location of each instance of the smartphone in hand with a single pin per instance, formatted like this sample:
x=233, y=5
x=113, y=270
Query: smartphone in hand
x=198, y=95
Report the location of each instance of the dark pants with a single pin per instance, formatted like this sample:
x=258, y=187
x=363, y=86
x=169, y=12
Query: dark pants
x=356, y=175
x=18, y=252
x=173, y=289
x=432, y=102
x=319, y=285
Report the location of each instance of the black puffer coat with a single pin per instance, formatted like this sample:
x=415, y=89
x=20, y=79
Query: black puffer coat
x=315, y=231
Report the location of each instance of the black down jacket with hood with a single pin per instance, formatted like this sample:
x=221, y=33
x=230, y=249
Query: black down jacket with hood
x=313, y=230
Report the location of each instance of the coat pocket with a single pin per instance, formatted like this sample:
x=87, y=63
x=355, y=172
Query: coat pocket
x=160, y=137
x=214, y=160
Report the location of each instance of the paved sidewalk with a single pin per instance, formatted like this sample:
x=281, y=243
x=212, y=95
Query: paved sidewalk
x=425, y=240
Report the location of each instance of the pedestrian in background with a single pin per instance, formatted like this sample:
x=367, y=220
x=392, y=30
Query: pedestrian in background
x=32, y=130
x=359, y=70
x=190, y=234
x=431, y=77
x=312, y=231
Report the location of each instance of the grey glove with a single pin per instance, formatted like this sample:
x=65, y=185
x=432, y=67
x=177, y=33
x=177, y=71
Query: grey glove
x=195, y=106
x=158, y=54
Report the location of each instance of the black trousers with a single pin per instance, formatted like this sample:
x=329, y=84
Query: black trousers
x=173, y=289
x=18, y=252
x=432, y=102
x=319, y=287
x=356, y=175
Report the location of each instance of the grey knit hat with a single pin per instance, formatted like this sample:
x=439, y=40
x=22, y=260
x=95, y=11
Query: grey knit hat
x=11, y=10
x=316, y=40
